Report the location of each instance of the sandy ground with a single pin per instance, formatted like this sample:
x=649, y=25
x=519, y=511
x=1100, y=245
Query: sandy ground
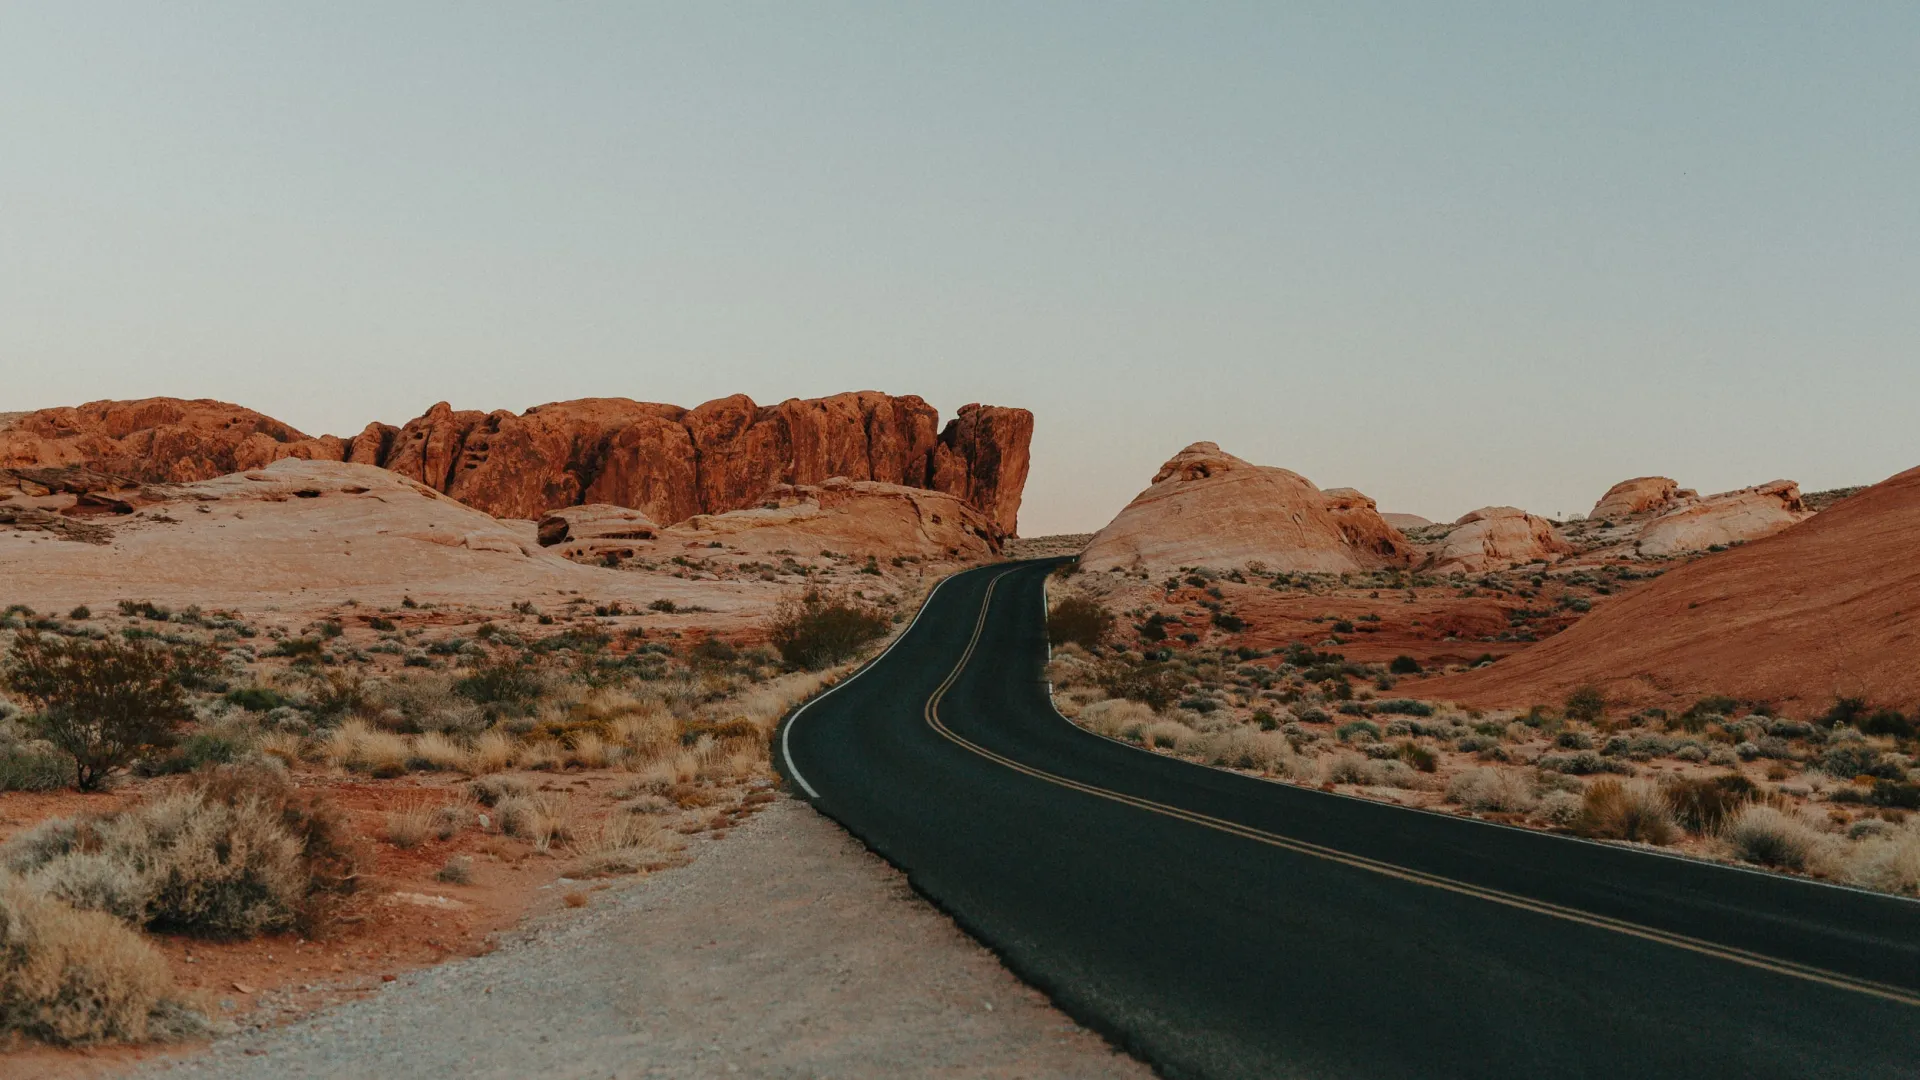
x=786, y=950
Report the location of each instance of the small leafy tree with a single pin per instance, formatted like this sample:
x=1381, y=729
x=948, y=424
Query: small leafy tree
x=103, y=702
x=1080, y=620
x=818, y=628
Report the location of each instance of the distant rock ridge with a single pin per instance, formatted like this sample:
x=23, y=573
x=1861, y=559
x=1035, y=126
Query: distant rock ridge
x=1206, y=507
x=1495, y=538
x=1666, y=519
x=668, y=462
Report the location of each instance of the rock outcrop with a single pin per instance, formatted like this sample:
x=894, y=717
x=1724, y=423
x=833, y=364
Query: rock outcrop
x=1403, y=522
x=297, y=538
x=1723, y=520
x=1825, y=609
x=1641, y=495
x=1495, y=538
x=594, y=523
x=668, y=462
x=1206, y=507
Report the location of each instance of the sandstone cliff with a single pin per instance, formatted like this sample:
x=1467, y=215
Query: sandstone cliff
x=668, y=462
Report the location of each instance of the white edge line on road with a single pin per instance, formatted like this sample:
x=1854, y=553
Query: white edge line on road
x=786, y=733
x=1637, y=849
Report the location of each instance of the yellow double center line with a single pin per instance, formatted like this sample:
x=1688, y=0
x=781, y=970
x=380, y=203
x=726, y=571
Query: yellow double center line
x=1402, y=873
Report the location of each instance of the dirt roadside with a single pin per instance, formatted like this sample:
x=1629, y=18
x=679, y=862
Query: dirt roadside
x=785, y=950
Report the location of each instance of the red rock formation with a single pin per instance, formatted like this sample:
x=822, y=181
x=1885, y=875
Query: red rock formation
x=1208, y=508
x=1641, y=495
x=671, y=463
x=157, y=440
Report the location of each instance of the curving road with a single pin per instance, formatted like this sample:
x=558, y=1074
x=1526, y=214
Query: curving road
x=1222, y=926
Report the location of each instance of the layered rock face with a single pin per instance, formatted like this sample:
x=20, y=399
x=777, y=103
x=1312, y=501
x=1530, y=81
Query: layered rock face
x=668, y=462
x=1206, y=507
x=1725, y=519
x=1821, y=610
x=1495, y=538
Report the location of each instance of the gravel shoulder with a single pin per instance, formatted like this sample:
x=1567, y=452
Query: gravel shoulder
x=785, y=950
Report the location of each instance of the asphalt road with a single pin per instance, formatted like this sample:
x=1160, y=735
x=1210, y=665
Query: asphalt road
x=1221, y=926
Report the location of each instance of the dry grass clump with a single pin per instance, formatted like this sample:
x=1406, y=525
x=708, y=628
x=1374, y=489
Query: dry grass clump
x=356, y=746
x=1492, y=789
x=492, y=752
x=489, y=790
x=544, y=819
x=457, y=871
x=409, y=826
x=1888, y=860
x=235, y=852
x=1770, y=836
x=78, y=977
x=438, y=752
x=1635, y=810
x=1118, y=719
x=619, y=844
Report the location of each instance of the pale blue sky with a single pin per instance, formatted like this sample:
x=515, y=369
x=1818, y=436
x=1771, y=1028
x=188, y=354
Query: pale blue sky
x=1450, y=254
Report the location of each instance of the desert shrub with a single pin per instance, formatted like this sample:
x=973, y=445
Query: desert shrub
x=1581, y=763
x=1586, y=704
x=1703, y=805
x=818, y=628
x=1404, y=665
x=457, y=871
x=193, y=752
x=23, y=768
x=489, y=790
x=1495, y=789
x=1561, y=808
x=1846, y=710
x=357, y=747
x=104, y=703
x=79, y=977
x=1345, y=732
x=1887, y=722
x=1080, y=620
x=1228, y=621
x=257, y=698
x=1117, y=718
x=1851, y=759
x=1614, y=810
x=233, y=853
x=1416, y=756
x=1402, y=707
x=500, y=682
x=1770, y=837
x=1154, y=684
x=1244, y=749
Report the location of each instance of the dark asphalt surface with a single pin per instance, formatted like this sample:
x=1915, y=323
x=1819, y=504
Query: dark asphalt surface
x=1210, y=953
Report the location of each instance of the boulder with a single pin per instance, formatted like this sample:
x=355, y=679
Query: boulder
x=1722, y=520
x=1495, y=538
x=1206, y=507
x=594, y=522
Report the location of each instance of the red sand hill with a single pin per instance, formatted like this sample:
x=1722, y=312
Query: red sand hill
x=1828, y=607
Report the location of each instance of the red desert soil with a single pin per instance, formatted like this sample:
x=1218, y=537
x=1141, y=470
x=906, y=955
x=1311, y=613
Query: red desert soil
x=407, y=919
x=1826, y=608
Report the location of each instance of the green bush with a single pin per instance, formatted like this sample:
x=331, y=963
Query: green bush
x=1887, y=722
x=22, y=769
x=1404, y=665
x=817, y=628
x=501, y=682
x=1586, y=704
x=193, y=752
x=257, y=698
x=1080, y=620
x=103, y=703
